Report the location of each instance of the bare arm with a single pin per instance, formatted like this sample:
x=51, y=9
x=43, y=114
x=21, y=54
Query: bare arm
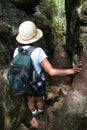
x=45, y=64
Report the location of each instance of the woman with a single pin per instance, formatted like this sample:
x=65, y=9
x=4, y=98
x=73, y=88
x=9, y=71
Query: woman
x=28, y=34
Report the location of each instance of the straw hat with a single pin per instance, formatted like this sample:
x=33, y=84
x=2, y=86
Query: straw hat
x=28, y=33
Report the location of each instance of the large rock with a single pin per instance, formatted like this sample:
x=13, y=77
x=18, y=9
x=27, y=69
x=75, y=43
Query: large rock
x=27, y=5
x=73, y=115
x=13, y=109
x=10, y=18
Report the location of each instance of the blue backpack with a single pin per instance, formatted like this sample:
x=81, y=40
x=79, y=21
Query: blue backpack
x=20, y=72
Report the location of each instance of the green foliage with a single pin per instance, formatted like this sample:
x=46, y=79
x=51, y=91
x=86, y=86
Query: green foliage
x=61, y=6
x=49, y=14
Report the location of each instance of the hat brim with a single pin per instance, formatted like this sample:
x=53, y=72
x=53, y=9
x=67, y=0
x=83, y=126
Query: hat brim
x=34, y=39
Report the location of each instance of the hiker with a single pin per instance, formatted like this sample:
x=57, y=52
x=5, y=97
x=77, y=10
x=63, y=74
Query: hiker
x=28, y=34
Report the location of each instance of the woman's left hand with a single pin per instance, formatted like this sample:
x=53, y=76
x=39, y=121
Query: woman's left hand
x=78, y=67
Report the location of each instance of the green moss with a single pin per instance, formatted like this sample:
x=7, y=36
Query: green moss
x=50, y=24
x=14, y=108
x=84, y=39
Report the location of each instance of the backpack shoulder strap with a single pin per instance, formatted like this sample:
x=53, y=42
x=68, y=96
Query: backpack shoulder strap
x=20, y=49
x=31, y=49
x=28, y=51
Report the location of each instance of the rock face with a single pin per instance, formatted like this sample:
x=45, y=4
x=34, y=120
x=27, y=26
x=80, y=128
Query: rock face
x=10, y=18
x=13, y=110
x=27, y=5
x=73, y=114
x=76, y=26
x=11, y=106
x=68, y=114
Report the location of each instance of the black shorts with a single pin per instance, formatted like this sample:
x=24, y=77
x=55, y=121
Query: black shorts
x=37, y=91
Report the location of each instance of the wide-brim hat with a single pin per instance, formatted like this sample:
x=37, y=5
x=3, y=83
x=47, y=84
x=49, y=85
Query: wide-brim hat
x=28, y=33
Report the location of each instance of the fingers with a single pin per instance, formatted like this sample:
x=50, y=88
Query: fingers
x=77, y=69
x=79, y=64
